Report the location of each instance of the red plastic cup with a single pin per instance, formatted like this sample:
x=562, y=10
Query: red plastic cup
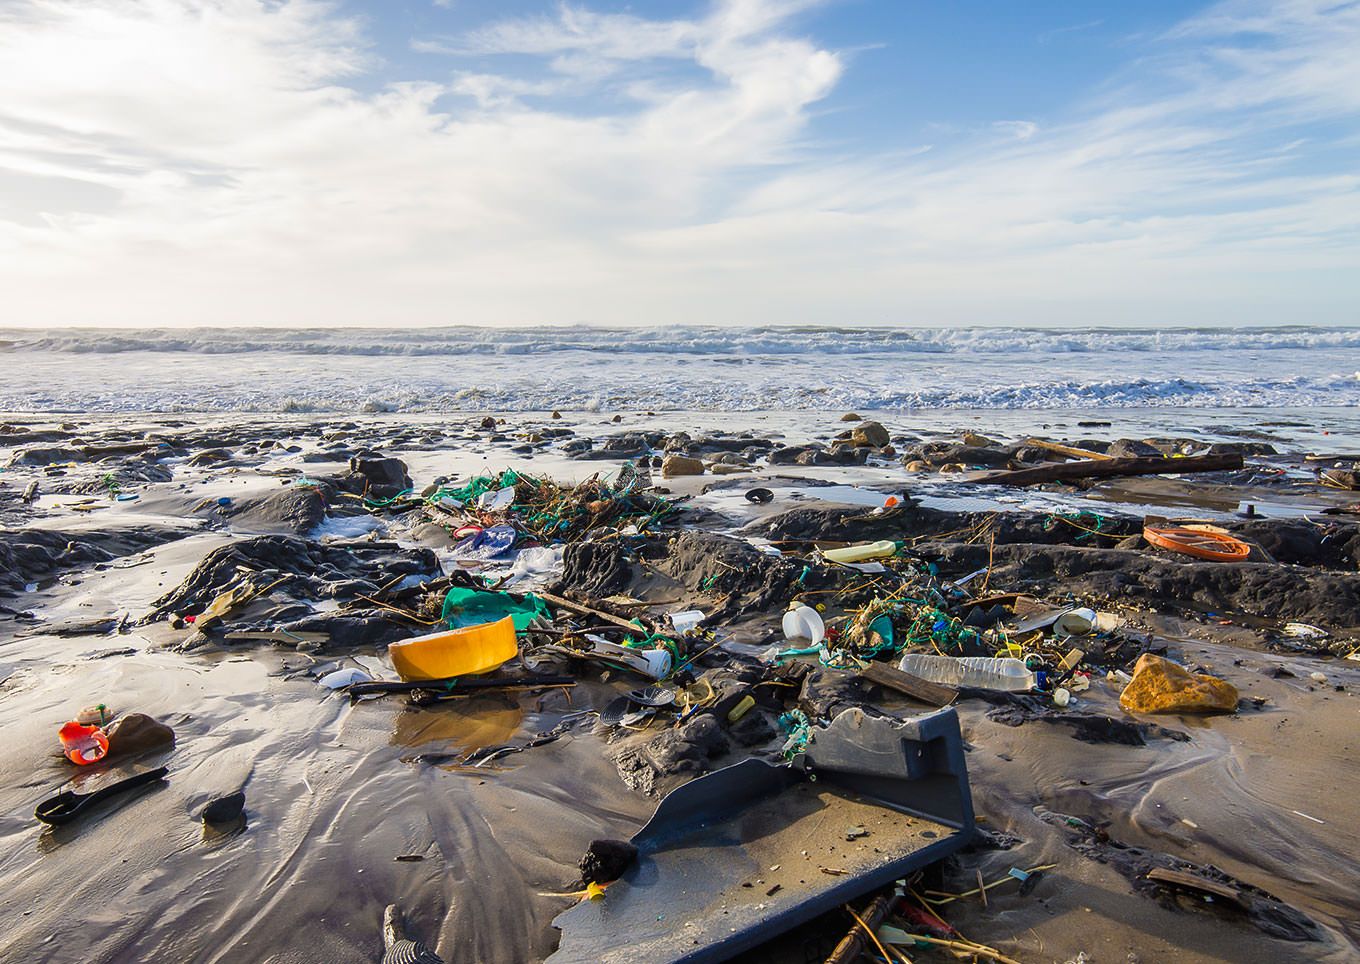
x=83, y=744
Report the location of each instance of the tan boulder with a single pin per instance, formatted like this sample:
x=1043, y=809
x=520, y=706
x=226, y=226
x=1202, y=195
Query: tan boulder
x=869, y=435
x=137, y=733
x=1161, y=686
x=674, y=465
x=852, y=417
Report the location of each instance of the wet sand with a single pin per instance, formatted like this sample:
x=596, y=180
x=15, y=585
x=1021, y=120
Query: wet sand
x=335, y=793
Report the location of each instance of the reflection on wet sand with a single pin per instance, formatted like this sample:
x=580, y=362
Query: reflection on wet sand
x=462, y=725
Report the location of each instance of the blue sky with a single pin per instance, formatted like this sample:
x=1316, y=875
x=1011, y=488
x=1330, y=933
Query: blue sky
x=913, y=66
x=297, y=162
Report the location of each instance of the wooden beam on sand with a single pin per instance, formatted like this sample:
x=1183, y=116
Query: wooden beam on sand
x=581, y=610
x=1071, y=451
x=1179, y=878
x=936, y=694
x=1112, y=468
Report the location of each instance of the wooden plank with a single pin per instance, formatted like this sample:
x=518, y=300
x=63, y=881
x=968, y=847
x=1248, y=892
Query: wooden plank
x=1069, y=450
x=575, y=607
x=1178, y=878
x=935, y=694
x=1111, y=468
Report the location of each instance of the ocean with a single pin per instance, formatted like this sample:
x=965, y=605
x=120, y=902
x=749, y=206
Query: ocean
x=690, y=368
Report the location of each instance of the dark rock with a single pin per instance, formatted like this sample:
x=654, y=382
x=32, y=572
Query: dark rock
x=311, y=567
x=843, y=455
x=597, y=568
x=1242, y=448
x=383, y=477
x=825, y=693
x=1325, y=597
x=679, y=442
x=1127, y=448
x=130, y=473
x=686, y=749
x=753, y=729
x=224, y=809
x=627, y=445
x=951, y=453
x=32, y=555
x=361, y=629
x=46, y=455
x=606, y=861
x=1336, y=546
x=209, y=457
x=791, y=454
x=724, y=566
x=296, y=509
x=733, y=443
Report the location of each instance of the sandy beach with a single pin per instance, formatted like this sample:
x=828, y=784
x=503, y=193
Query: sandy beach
x=349, y=808
x=763, y=481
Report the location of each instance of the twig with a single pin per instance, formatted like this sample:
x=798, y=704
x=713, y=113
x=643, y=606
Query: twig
x=949, y=898
x=968, y=947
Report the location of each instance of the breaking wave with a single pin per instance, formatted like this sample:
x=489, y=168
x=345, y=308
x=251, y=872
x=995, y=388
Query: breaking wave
x=694, y=341
x=675, y=369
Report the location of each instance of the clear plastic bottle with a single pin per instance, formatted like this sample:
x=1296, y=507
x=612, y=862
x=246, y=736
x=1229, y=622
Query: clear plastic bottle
x=983, y=672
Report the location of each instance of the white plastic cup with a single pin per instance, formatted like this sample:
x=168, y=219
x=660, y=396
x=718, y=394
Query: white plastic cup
x=804, y=623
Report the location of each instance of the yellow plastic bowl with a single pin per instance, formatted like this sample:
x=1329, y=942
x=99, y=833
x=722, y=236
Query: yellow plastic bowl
x=457, y=652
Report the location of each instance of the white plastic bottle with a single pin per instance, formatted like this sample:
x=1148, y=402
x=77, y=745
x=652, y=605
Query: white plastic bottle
x=983, y=672
x=873, y=550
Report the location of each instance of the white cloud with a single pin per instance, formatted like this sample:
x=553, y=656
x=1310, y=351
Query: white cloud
x=1021, y=130
x=227, y=161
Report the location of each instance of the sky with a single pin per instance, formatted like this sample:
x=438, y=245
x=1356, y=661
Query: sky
x=517, y=162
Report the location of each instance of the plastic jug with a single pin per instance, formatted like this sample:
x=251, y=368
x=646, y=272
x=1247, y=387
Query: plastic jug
x=983, y=672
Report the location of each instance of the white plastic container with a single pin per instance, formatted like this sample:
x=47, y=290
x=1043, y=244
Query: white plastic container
x=804, y=624
x=1075, y=622
x=872, y=550
x=983, y=672
x=686, y=620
